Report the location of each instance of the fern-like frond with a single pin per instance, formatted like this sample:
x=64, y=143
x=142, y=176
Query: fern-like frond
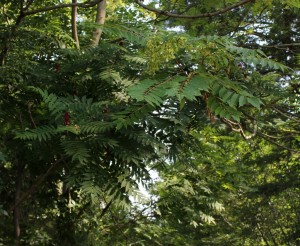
x=77, y=150
x=194, y=86
x=132, y=115
x=256, y=58
x=135, y=59
x=132, y=35
x=43, y=133
x=97, y=127
x=56, y=105
x=227, y=95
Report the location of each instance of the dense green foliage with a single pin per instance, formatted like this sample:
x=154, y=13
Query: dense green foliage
x=195, y=103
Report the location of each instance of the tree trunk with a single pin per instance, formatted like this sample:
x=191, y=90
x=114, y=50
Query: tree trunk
x=74, y=25
x=100, y=19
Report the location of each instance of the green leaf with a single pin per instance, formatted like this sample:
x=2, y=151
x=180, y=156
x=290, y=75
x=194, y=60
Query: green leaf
x=203, y=82
x=218, y=110
x=223, y=91
x=254, y=102
x=182, y=103
x=195, y=85
x=215, y=88
x=227, y=95
x=234, y=100
x=242, y=101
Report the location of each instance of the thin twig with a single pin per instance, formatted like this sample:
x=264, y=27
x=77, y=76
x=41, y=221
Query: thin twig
x=240, y=21
x=235, y=126
x=285, y=114
x=60, y=6
x=264, y=136
x=204, y=15
x=280, y=45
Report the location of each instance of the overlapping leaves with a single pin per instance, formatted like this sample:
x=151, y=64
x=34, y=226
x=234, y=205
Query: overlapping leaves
x=226, y=92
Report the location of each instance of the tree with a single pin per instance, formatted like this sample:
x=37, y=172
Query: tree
x=91, y=97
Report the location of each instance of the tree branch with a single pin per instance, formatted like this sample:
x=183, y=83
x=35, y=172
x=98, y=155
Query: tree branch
x=74, y=24
x=105, y=209
x=276, y=46
x=60, y=6
x=238, y=128
x=285, y=114
x=264, y=136
x=100, y=20
x=280, y=45
x=204, y=15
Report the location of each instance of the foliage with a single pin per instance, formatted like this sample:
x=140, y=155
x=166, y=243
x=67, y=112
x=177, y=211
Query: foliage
x=83, y=129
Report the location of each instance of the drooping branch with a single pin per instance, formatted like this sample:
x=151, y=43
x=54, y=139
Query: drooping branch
x=287, y=114
x=60, y=6
x=267, y=138
x=203, y=15
x=235, y=126
x=74, y=24
x=100, y=20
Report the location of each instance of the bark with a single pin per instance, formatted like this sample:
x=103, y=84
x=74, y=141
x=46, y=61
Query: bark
x=100, y=20
x=74, y=24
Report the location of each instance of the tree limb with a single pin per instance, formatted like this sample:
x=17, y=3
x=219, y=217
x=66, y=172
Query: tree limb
x=264, y=136
x=60, y=6
x=100, y=20
x=74, y=24
x=204, y=15
x=105, y=209
x=285, y=114
x=276, y=46
x=280, y=45
x=238, y=128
